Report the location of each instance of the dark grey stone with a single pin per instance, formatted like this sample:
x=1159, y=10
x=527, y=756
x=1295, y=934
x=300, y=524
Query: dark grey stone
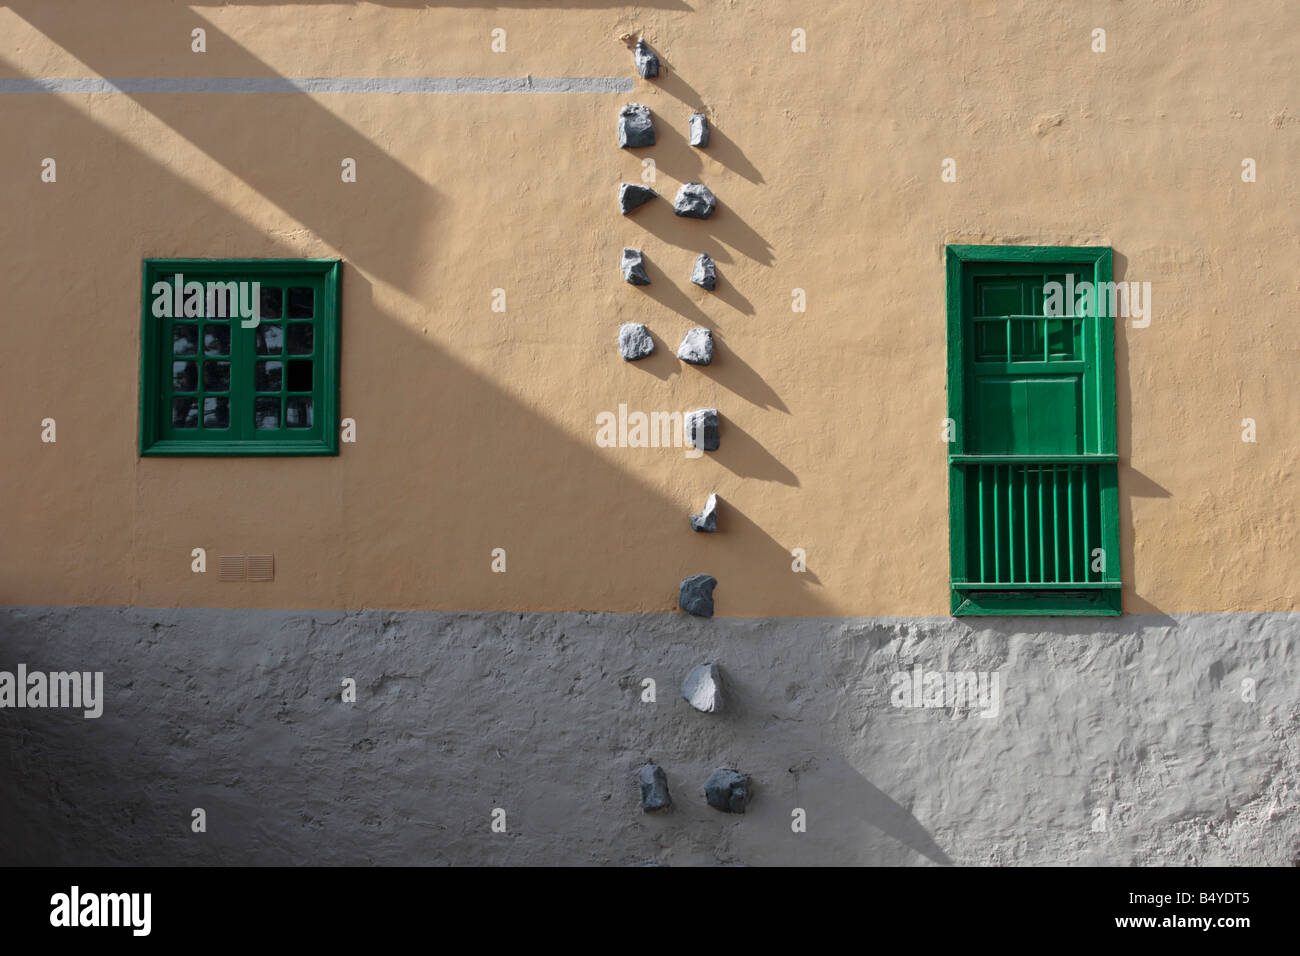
x=702, y=429
x=647, y=64
x=699, y=130
x=634, y=341
x=634, y=267
x=697, y=347
x=704, y=273
x=695, y=594
x=654, y=789
x=631, y=195
x=635, y=127
x=702, y=688
x=707, y=520
x=695, y=201
x=727, y=790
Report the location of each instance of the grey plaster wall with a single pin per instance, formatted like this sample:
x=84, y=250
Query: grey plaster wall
x=1132, y=740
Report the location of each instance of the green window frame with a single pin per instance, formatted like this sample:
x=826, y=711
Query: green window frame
x=1032, y=469
x=261, y=381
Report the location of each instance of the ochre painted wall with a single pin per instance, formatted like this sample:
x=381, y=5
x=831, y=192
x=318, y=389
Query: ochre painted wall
x=476, y=429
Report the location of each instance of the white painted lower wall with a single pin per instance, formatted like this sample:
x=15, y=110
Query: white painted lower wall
x=1137, y=740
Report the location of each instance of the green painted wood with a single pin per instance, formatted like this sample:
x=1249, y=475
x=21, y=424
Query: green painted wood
x=1032, y=396
x=957, y=498
x=1033, y=585
x=956, y=386
x=184, y=387
x=1101, y=602
x=1031, y=459
x=1027, y=254
x=956, y=368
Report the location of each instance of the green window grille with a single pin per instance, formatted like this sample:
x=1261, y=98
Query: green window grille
x=1033, y=502
x=239, y=357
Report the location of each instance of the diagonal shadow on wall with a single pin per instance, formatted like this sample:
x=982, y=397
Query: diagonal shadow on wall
x=417, y=418
x=189, y=116
x=416, y=424
x=464, y=4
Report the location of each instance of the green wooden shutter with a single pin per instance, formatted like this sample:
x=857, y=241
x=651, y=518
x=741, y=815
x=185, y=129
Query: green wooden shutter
x=1032, y=472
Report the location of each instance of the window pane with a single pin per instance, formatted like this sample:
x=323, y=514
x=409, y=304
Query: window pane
x=297, y=412
x=185, y=376
x=270, y=339
x=266, y=413
x=216, y=340
x=998, y=296
x=268, y=376
x=272, y=303
x=216, y=376
x=1062, y=338
x=301, y=336
x=300, y=303
x=991, y=341
x=216, y=413
x=299, y=378
x=185, y=413
x=1026, y=340
x=185, y=339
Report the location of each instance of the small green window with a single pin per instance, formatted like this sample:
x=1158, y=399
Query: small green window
x=239, y=357
x=1033, y=501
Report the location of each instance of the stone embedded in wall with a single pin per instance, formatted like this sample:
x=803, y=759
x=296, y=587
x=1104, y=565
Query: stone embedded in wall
x=694, y=201
x=707, y=520
x=634, y=267
x=635, y=127
x=699, y=130
x=647, y=64
x=634, y=341
x=654, y=789
x=704, y=273
x=696, y=347
x=727, y=790
x=695, y=594
x=631, y=195
x=703, y=688
x=702, y=429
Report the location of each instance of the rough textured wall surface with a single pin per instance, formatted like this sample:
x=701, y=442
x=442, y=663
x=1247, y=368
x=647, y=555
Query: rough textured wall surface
x=1129, y=741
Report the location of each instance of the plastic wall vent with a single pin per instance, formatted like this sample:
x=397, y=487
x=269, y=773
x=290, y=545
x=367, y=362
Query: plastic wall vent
x=261, y=567
x=247, y=567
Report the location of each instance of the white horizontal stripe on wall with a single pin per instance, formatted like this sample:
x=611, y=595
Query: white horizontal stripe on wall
x=329, y=84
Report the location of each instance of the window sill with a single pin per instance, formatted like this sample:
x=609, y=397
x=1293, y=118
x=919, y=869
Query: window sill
x=236, y=449
x=1086, y=600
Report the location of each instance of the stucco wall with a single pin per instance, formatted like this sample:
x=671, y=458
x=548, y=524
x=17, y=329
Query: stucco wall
x=476, y=430
x=1139, y=741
